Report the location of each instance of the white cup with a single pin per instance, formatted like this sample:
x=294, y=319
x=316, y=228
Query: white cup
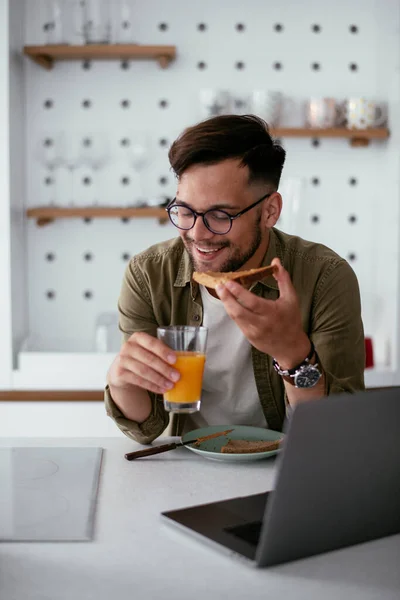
x=361, y=113
x=214, y=103
x=323, y=113
x=267, y=104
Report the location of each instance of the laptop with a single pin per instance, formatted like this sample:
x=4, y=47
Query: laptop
x=337, y=484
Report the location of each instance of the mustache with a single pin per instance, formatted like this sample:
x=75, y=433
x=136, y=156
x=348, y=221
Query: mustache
x=207, y=245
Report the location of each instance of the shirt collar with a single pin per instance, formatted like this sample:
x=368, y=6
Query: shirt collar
x=274, y=250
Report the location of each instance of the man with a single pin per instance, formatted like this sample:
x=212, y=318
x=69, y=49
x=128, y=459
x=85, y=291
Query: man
x=295, y=336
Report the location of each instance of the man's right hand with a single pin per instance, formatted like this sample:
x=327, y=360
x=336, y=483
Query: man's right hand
x=144, y=362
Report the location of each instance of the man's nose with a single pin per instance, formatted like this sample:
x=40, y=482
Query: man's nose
x=199, y=230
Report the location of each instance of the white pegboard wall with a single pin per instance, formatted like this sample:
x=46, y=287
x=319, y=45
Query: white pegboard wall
x=75, y=273
x=297, y=48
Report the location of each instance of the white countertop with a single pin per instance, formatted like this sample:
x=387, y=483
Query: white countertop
x=135, y=555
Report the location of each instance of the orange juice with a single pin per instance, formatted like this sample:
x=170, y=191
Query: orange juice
x=188, y=389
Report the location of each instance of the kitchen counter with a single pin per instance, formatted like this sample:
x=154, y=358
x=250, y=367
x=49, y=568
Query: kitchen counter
x=134, y=554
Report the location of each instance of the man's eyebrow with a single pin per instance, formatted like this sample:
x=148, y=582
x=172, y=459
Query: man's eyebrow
x=223, y=205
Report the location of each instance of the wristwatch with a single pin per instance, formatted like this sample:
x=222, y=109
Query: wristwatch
x=304, y=375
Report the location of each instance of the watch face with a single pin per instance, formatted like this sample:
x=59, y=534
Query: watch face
x=307, y=377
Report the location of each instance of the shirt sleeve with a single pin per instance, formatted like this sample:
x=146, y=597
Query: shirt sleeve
x=337, y=330
x=136, y=314
x=145, y=432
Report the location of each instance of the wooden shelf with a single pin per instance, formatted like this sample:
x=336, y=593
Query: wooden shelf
x=52, y=396
x=357, y=137
x=46, y=214
x=45, y=56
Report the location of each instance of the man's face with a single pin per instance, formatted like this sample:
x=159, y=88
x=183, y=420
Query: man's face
x=224, y=186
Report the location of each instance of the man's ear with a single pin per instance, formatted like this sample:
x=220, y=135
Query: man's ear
x=273, y=209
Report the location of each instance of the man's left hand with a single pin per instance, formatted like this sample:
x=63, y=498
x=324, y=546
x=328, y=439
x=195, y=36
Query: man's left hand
x=272, y=326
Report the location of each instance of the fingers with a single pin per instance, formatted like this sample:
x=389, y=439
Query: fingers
x=148, y=366
x=282, y=277
x=153, y=345
x=145, y=361
x=139, y=353
x=132, y=379
x=238, y=301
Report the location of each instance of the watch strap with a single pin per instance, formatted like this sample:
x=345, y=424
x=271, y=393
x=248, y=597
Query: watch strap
x=292, y=372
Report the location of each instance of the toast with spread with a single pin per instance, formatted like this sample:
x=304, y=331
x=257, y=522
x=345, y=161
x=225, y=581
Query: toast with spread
x=211, y=279
x=246, y=446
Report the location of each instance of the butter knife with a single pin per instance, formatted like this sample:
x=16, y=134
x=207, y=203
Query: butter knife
x=172, y=446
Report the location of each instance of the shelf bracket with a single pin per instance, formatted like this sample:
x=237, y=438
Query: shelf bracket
x=43, y=221
x=42, y=60
x=357, y=142
x=163, y=61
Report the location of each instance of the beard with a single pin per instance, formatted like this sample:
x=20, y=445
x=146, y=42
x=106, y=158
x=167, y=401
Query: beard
x=238, y=256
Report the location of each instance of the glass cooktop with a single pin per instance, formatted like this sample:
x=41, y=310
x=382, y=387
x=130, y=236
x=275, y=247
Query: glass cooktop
x=48, y=494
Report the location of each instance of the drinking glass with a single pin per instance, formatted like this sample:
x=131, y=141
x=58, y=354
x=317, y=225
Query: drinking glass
x=96, y=17
x=123, y=21
x=53, y=18
x=189, y=344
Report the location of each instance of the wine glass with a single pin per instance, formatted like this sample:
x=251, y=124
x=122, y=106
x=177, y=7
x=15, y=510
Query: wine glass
x=72, y=156
x=137, y=145
x=49, y=153
x=95, y=152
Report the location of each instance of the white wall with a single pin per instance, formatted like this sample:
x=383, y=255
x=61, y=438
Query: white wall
x=19, y=299
x=58, y=419
x=5, y=276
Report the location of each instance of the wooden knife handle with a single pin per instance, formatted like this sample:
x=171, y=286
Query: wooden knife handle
x=150, y=451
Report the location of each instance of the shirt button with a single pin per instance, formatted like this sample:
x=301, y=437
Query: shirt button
x=196, y=318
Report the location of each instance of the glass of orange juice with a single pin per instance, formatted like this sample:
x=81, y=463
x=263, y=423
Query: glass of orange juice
x=189, y=344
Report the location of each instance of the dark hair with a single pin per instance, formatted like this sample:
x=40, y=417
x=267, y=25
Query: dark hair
x=244, y=137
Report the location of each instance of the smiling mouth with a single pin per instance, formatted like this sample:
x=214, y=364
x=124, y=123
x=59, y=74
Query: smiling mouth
x=207, y=253
x=207, y=250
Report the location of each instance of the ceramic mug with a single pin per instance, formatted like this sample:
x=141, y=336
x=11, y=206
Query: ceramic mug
x=323, y=112
x=361, y=113
x=267, y=104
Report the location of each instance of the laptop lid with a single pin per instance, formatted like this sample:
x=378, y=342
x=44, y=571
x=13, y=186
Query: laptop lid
x=338, y=478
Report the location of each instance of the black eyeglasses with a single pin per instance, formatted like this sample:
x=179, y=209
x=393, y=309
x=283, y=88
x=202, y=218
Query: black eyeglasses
x=216, y=221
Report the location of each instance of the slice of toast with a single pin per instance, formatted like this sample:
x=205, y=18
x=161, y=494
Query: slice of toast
x=205, y=438
x=246, y=446
x=211, y=279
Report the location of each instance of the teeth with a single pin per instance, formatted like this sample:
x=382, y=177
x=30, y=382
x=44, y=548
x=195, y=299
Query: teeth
x=208, y=250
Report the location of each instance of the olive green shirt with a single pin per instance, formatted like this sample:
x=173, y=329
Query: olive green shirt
x=158, y=290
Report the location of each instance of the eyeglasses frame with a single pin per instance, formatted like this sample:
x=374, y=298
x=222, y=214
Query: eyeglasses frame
x=203, y=214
